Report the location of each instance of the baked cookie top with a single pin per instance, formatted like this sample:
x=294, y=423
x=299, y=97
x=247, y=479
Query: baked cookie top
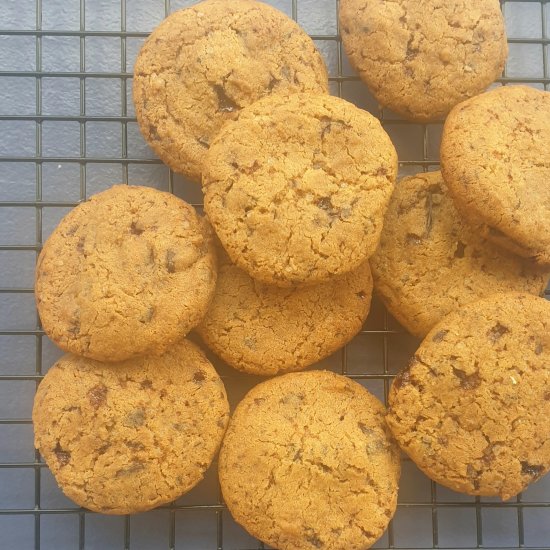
x=473, y=407
x=307, y=463
x=297, y=187
x=126, y=437
x=128, y=272
x=422, y=58
x=266, y=330
x=203, y=64
x=431, y=262
x=495, y=158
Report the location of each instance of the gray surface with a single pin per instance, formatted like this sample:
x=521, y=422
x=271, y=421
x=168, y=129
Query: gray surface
x=427, y=514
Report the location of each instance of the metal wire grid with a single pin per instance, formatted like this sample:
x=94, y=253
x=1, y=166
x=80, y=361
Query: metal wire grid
x=381, y=327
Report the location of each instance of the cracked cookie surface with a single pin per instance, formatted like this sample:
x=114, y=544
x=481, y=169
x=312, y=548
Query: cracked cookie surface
x=307, y=463
x=265, y=330
x=203, y=64
x=430, y=261
x=128, y=272
x=422, y=58
x=473, y=407
x=495, y=159
x=296, y=188
x=126, y=437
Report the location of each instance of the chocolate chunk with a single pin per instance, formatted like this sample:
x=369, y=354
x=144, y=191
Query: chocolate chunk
x=439, y=336
x=259, y=400
x=250, y=342
x=412, y=238
x=71, y=231
x=402, y=379
x=273, y=81
x=132, y=469
x=199, y=376
x=146, y=384
x=170, y=264
x=459, y=251
x=365, y=429
x=533, y=470
x=468, y=381
x=225, y=103
x=148, y=315
x=538, y=349
x=153, y=133
x=135, y=419
x=97, y=395
x=135, y=445
x=135, y=230
x=103, y=449
x=314, y=539
x=203, y=140
x=63, y=457
x=325, y=203
x=80, y=245
x=497, y=332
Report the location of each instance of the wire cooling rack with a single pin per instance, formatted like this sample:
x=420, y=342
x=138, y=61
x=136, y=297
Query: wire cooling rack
x=67, y=131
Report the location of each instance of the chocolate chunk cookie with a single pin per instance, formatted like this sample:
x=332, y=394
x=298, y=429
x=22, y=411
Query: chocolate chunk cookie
x=266, y=330
x=422, y=58
x=126, y=437
x=430, y=261
x=308, y=463
x=495, y=158
x=297, y=187
x=128, y=272
x=203, y=64
x=473, y=407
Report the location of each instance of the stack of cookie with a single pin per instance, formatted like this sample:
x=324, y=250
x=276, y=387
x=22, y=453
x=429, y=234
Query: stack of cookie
x=300, y=201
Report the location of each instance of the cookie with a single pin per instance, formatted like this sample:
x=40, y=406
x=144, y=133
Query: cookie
x=495, y=158
x=473, y=407
x=128, y=272
x=265, y=330
x=431, y=262
x=297, y=188
x=126, y=437
x=420, y=59
x=203, y=64
x=307, y=463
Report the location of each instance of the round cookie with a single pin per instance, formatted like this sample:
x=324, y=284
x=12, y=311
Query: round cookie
x=297, y=187
x=495, y=159
x=266, y=330
x=473, y=407
x=203, y=64
x=431, y=262
x=126, y=437
x=128, y=272
x=307, y=463
x=422, y=58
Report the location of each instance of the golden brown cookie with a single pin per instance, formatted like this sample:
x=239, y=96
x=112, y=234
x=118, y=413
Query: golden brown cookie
x=422, y=58
x=308, y=463
x=266, y=330
x=473, y=407
x=128, y=272
x=431, y=262
x=296, y=188
x=203, y=64
x=495, y=158
x=126, y=437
